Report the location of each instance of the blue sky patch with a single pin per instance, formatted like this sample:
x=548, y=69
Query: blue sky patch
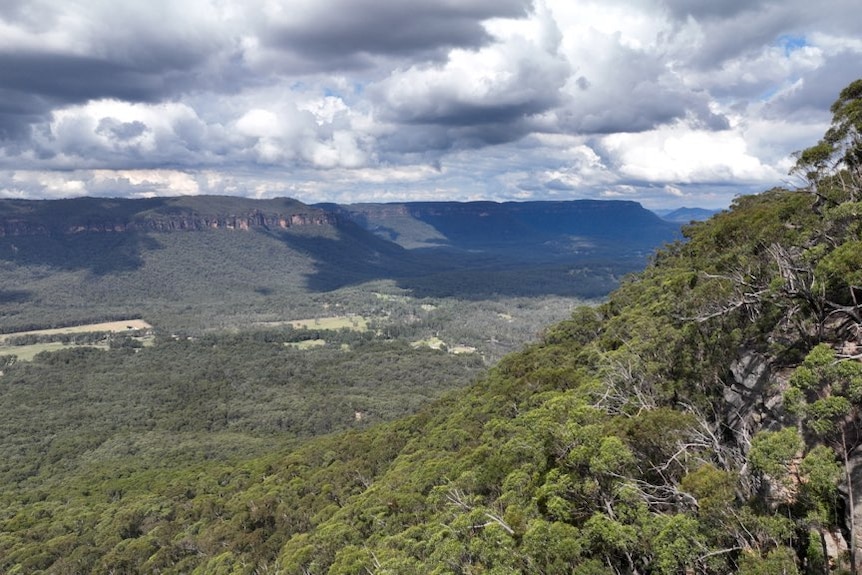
x=791, y=43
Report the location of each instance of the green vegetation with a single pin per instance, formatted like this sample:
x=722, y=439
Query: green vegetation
x=29, y=352
x=357, y=323
x=26, y=345
x=127, y=325
x=308, y=344
x=705, y=419
x=253, y=385
x=87, y=260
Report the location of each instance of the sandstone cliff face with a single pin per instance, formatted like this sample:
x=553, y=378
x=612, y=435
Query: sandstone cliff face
x=753, y=400
x=13, y=227
x=230, y=222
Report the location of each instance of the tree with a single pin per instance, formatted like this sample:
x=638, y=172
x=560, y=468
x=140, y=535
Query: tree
x=835, y=162
x=826, y=396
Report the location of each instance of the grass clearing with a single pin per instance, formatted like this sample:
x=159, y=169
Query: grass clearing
x=352, y=322
x=432, y=342
x=437, y=343
x=307, y=344
x=109, y=326
x=28, y=351
x=462, y=349
x=334, y=323
x=392, y=297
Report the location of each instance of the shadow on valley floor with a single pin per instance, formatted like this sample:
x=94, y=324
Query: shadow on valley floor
x=353, y=258
x=356, y=256
x=14, y=296
x=574, y=280
x=100, y=254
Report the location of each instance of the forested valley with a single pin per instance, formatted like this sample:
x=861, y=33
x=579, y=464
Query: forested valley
x=704, y=418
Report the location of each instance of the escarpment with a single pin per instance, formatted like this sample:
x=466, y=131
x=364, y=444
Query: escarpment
x=97, y=216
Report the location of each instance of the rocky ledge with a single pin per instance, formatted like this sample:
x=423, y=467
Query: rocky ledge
x=167, y=223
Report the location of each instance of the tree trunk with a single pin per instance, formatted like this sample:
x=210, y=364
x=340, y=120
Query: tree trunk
x=853, y=485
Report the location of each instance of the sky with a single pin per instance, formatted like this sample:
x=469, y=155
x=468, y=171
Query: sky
x=666, y=102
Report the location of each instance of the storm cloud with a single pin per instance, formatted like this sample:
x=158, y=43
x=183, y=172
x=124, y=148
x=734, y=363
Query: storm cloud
x=663, y=101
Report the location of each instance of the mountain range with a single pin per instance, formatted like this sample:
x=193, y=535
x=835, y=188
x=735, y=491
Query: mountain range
x=77, y=259
x=686, y=215
x=566, y=228
x=532, y=230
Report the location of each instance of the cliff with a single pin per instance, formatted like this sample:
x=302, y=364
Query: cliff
x=549, y=227
x=88, y=215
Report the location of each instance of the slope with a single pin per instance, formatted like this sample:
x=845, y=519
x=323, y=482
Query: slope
x=645, y=436
x=192, y=263
x=577, y=228
x=184, y=262
x=686, y=215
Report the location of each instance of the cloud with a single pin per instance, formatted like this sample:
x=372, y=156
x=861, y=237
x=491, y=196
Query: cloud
x=106, y=133
x=679, y=154
x=489, y=95
x=499, y=99
x=704, y=10
x=814, y=92
x=347, y=34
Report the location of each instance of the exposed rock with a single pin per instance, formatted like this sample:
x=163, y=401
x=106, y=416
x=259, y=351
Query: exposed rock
x=753, y=400
x=837, y=552
x=247, y=222
x=172, y=223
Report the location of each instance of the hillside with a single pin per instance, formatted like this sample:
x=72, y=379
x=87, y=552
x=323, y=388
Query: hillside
x=686, y=215
x=705, y=419
x=193, y=263
x=546, y=230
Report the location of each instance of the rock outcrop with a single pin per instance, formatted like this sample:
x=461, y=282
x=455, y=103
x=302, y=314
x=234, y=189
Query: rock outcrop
x=754, y=398
x=13, y=227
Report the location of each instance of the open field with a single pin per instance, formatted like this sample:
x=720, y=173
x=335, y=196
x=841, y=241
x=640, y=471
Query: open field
x=28, y=351
x=432, y=342
x=437, y=343
x=307, y=344
x=462, y=349
x=392, y=297
x=109, y=326
x=353, y=322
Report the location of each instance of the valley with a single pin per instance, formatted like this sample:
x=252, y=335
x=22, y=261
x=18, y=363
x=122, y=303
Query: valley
x=335, y=431
x=308, y=390
x=334, y=287
x=265, y=323
x=190, y=265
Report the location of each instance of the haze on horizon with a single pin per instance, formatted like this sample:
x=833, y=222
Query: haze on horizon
x=666, y=102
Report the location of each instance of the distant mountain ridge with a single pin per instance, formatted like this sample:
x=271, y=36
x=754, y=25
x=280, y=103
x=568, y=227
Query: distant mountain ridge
x=524, y=229
x=162, y=257
x=685, y=215
x=557, y=227
x=92, y=215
